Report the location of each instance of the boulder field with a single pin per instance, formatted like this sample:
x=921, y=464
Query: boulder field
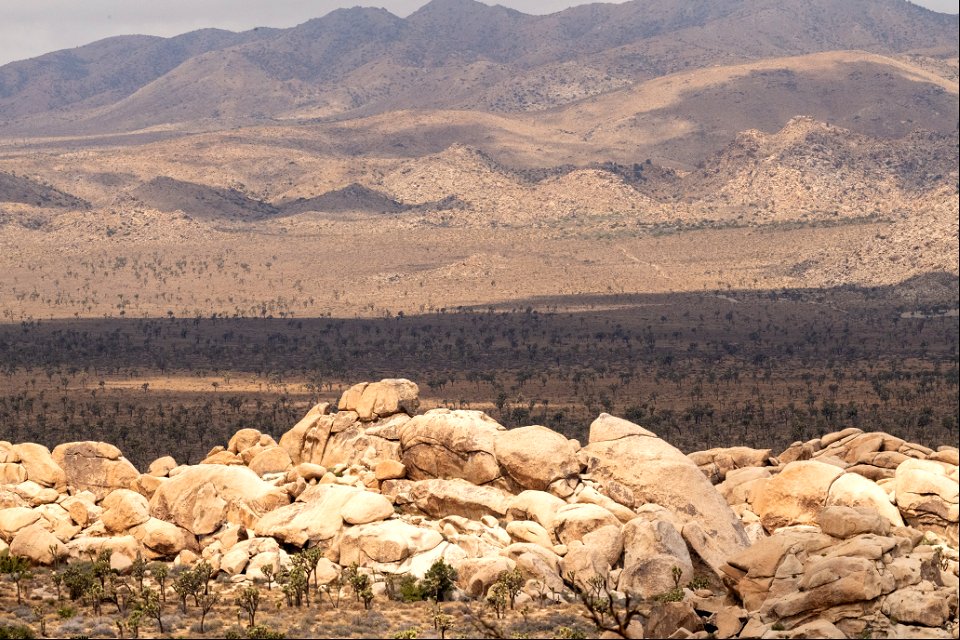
x=853, y=534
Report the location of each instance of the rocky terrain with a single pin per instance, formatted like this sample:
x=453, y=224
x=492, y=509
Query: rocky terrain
x=852, y=534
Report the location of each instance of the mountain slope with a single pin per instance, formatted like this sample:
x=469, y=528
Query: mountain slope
x=450, y=54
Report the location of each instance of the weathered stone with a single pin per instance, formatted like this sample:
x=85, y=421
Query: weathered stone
x=203, y=497
x=667, y=617
x=853, y=490
x=915, y=606
x=439, y=498
x=652, y=549
x=387, y=397
x=39, y=465
x=389, y=470
x=293, y=440
x=243, y=439
x=451, y=444
x=350, y=399
x=534, y=457
x=384, y=542
x=38, y=545
x=95, y=466
x=476, y=575
x=539, y=506
x=124, y=509
x=365, y=507
x=830, y=582
x=82, y=508
x=162, y=466
x=270, y=460
x=573, y=521
x=923, y=487
x=635, y=458
x=795, y=495
x=14, y=519
x=354, y=446
x=12, y=473
x=315, y=516
x=529, y=531
x=844, y=522
x=224, y=458
x=163, y=538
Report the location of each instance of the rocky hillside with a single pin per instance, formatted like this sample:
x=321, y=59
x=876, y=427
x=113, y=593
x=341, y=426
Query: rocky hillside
x=848, y=535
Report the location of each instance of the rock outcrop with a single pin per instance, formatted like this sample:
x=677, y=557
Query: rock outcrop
x=850, y=534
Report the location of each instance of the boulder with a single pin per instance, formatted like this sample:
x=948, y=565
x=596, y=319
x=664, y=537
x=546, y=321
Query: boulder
x=243, y=440
x=124, y=509
x=12, y=473
x=162, y=466
x=274, y=459
x=97, y=467
x=82, y=548
x=444, y=443
x=293, y=441
x=14, y=519
x=539, y=506
x=387, y=397
x=916, y=606
x=38, y=545
x=846, y=522
x=390, y=541
x=625, y=454
x=39, y=464
x=653, y=549
x=354, y=445
x=535, y=457
x=795, y=495
x=315, y=516
x=389, y=470
x=853, y=490
x=476, y=575
x=829, y=582
x=529, y=531
x=439, y=498
x=667, y=617
x=201, y=498
x=924, y=490
x=350, y=399
x=163, y=538
x=573, y=521
x=365, y=507
x=717, y=463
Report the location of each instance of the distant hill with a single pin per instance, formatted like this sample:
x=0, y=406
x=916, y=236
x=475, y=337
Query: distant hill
x=450, y=54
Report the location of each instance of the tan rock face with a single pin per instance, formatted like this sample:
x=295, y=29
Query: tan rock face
x=274, y=459
x=625, y=454
x=39, y=465
x=451, y=444
x=387, y=397
x=162, y=466
x=652, y=548
x=124, y=509
x=163, y=538
x=574, y=521
x=385, y=542
x=534, y=457
x=95, y=466
x=854, y=490
x=38, y=545
x=795, y=495
x=439, y=498
x=293, y=441
x=925, y=490
x=366, y=507
x=14, y=519
x=844, y=522
x=314, y=517
x=203, y=497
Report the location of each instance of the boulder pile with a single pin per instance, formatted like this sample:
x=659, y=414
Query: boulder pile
x=850, y=534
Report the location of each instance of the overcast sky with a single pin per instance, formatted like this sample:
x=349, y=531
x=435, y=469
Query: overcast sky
x=32, y=27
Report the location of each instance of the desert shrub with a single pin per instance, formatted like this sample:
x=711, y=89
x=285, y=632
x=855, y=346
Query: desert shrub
x=438, y=580
x=16, y=631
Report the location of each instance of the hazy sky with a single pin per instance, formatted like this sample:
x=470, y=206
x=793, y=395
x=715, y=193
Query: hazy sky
x=32, y=27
